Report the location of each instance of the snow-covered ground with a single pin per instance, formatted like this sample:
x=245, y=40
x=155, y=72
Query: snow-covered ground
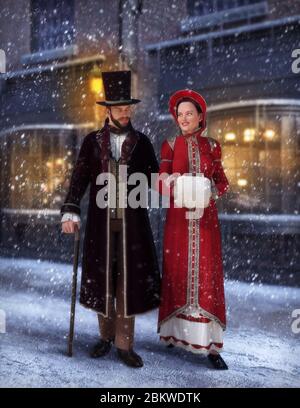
x=260, y=346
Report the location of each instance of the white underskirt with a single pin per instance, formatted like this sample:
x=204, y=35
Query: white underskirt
x=197, y=337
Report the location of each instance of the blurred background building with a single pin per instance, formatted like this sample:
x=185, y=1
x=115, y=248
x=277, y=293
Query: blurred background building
x=237, y=53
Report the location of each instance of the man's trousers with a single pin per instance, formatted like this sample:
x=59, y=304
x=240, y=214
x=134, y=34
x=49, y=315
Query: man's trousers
x=116, y=325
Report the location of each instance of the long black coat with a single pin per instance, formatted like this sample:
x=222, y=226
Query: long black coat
x=142, y=277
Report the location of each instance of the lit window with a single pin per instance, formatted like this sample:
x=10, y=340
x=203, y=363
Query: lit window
x=261, y=159
x=37, y=168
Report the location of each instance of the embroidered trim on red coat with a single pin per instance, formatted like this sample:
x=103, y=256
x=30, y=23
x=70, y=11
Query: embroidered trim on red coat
x=196, y=346
x=200, y=319
x=193, y=231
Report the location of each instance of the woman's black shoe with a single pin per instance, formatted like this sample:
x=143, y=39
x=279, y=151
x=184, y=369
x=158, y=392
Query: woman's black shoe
x=101, y=348
x=130, y=358
x=217, y=362
x=170, y=345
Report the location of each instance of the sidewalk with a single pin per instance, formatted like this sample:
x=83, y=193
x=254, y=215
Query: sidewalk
x=260, y=347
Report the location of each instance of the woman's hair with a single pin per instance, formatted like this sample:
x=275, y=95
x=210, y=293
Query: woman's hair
x=187, y=99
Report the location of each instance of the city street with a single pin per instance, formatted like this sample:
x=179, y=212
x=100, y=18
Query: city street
x=260, y=348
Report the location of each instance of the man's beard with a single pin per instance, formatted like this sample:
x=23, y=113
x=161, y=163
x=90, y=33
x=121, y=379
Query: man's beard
x=118, y=124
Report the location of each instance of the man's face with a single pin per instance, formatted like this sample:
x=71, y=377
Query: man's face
x=120, y=114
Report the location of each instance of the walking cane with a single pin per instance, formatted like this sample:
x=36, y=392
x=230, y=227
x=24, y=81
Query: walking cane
x=74, y=288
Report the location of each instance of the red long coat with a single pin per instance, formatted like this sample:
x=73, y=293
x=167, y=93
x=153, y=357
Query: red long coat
x=192, y=254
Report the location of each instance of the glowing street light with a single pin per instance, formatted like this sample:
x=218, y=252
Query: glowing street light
x=96, y=82
x=230, y=136
x=97, y=89
x=242, y=182
x=249, y=135
x=269, y=134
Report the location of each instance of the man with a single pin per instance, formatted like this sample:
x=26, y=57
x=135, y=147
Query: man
x=120, y=274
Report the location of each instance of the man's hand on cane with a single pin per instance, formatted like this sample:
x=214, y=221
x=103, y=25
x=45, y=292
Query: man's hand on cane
x=68, y=227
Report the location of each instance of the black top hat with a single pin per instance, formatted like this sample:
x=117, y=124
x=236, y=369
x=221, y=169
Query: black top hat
x=117, y=88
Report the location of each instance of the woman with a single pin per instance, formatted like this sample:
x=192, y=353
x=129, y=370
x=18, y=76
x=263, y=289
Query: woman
x=192, y=309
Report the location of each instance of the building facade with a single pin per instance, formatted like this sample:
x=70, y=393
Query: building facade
x=238, y=53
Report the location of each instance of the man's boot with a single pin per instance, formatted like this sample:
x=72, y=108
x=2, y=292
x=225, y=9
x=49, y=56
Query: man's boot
x=101, y=348
x=130, y=358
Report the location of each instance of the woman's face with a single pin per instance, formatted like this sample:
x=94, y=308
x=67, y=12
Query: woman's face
x=188, y=117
